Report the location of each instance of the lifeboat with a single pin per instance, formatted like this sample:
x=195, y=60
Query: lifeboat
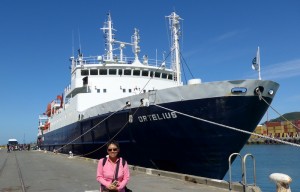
x=47, y=125
x=48, y=110
x=60, y=98
x=53, y=106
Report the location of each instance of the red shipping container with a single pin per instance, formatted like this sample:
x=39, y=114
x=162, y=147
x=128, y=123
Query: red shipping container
x=273, y=124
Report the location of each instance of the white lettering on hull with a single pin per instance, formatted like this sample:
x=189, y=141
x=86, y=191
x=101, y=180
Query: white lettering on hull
x=157, y=117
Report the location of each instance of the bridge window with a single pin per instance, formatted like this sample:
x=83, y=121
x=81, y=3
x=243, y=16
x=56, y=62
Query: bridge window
x=94, y=71
x=170, y=76
x=164, y=75
x=129, y=90
x=127, y=72
x=145, y=73
x=151, y=74
x=84, y=72
x=112, y=71
x=136, y=72
x=104, y=90
x=103, y=71
x=124, y=90
x=157, y=74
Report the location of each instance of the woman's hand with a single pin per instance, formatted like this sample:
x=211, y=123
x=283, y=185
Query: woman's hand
x=113, y=186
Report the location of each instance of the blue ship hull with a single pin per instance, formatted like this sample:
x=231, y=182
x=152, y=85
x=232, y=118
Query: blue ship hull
x=165, y=140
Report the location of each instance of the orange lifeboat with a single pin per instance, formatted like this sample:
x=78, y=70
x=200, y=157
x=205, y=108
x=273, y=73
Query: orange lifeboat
x=47, y=125
x=60, y=97
x=52, y=108
x=48, y=110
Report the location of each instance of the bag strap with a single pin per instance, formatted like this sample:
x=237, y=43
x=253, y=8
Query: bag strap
x=104, y=161
x=117, y=167
x=123, y=162
x=117, y=170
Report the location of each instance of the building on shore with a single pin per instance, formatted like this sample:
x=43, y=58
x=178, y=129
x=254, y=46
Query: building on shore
x=281, y=129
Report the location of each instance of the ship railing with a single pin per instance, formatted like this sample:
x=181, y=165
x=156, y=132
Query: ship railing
x=126, y=60
x=244, y=170
x=67, y=89
x=56, y=103
x=42, y=116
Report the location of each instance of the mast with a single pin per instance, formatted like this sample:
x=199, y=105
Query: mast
x=135, y=39
x=110, y=41
x=175, y=33
x=107, y=30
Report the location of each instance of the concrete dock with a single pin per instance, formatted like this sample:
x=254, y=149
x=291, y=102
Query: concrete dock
x=34, y=171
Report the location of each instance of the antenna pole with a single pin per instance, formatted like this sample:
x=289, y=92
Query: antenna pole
x=175, y=33
x=135, y=42
x=79, y=41
x=73, y=50
x=107, y=29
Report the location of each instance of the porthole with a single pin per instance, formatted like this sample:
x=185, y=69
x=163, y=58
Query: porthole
x=237, y=90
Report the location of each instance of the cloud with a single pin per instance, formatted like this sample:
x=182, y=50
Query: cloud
x=282, y=70
x=227, y=35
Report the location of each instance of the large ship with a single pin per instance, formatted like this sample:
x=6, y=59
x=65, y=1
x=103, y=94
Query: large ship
x=159, y=121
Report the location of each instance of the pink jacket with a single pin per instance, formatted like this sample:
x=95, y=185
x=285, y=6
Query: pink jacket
x=106, y=173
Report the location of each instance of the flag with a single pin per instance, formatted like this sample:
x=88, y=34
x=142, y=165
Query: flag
x=255, y=64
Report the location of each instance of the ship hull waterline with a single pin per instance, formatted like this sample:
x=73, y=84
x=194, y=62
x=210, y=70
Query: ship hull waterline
x=161, y=139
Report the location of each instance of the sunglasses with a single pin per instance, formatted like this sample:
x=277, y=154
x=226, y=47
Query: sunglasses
x=113, y=149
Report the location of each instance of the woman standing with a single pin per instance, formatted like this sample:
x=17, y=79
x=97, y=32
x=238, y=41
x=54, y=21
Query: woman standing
x=106, y=170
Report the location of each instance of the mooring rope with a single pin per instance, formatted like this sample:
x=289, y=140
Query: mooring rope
x=260, y=97
x=69, y=143
x=82, y=155
x=229, y=127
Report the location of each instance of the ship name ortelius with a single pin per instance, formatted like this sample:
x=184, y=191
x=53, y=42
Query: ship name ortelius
x=157, y=117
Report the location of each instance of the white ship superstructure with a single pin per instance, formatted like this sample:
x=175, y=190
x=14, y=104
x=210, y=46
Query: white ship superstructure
x=100, y=79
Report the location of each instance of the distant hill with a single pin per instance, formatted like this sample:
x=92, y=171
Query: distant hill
x=289, y=116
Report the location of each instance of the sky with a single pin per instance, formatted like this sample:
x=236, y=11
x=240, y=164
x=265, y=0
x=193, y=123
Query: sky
x=219, y=40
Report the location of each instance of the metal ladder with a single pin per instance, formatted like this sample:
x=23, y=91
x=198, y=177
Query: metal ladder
x=244, y=171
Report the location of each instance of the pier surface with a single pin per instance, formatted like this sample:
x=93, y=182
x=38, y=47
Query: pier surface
x=39, y=171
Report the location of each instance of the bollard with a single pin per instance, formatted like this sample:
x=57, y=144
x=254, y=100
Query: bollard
x=282, y=182
x=70, y=154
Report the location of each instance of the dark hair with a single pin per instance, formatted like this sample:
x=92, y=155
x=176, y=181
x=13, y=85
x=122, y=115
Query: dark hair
x=114, y=143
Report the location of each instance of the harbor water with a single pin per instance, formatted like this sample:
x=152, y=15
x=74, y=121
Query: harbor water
x=269, y=159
